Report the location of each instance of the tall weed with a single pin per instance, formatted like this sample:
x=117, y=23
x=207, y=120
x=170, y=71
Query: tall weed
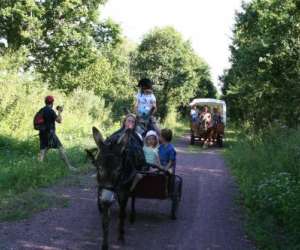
x=267, y=167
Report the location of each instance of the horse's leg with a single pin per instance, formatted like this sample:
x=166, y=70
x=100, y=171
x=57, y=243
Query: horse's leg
x=123, y=199
x=207, y=137
x=210, y=135
x=105, y=212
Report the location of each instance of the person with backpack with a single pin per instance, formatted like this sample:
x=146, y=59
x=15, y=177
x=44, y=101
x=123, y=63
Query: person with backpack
x=44, y=121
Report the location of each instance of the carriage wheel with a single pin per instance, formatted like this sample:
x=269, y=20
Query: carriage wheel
x=175, y=204
x=176, y=197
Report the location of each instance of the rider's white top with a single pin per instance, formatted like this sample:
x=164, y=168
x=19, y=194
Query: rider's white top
x=144, y=103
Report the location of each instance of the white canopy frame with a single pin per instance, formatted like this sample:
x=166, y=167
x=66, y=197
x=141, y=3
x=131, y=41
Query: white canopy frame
x=210, y=102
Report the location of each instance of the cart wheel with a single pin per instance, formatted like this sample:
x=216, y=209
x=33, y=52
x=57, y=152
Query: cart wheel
x=192, y=139
x=176, y=197
x=175, y=204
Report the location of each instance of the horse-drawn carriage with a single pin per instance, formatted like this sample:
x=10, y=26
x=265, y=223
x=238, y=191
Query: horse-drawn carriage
x=204, y=128
x=116, y=159
x=160, y=185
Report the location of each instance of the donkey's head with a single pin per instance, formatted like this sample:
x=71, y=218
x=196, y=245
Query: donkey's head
x=115, y=161
x=108, y=162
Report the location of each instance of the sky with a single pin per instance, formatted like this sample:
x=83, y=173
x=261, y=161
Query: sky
x=206, y=23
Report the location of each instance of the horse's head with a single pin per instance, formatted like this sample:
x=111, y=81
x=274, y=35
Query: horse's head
x=109, y=163
x=114, y=162
x=205, y=121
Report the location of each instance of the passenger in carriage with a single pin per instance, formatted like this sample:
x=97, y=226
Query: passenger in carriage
x=194, y=113
x=129, y=122
x=216, y=117
x=150, y=149
x=166, y=150
x=151, y=143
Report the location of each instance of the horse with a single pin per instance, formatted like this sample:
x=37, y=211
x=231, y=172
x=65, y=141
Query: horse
x=203, y=126
x=116, y=163
x=215, y=133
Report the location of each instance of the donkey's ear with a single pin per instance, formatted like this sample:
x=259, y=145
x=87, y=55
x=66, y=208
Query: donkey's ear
x=90, y=154
x=98, y=137
x=124, y=138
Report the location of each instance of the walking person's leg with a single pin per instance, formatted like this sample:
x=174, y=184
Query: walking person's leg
x=64, y=157
x=43, y=136
x=54, y=142
x=42, y=154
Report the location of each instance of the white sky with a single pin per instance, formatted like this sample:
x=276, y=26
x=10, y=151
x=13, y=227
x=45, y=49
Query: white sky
x=206, y=23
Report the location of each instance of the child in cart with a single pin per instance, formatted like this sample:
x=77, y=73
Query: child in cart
x=166, y=151
x=151, y=150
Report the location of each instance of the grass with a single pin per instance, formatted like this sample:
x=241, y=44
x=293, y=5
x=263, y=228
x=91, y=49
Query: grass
x=15, y=207
x=22, y=175
x=267, y=169
x=20, y=171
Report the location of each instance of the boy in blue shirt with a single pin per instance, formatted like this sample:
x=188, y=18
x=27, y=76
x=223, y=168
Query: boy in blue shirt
x=166, y=150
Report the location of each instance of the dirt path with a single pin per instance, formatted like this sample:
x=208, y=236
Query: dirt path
x=208, y=218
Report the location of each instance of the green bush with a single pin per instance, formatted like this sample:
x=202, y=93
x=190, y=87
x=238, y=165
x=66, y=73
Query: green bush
x=21, y=96
x=267, y=168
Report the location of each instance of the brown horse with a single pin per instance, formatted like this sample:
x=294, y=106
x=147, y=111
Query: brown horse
x=215, y=134
x=116, y=161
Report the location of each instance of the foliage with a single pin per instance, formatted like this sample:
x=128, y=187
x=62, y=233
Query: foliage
x=121, y=90
x=21, y=95
x=267, y=168
x=20, y=22
x=171, y=63
x=62, y=37
x=262, y=84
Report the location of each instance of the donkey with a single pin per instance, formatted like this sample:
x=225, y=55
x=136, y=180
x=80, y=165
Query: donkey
x=116, y=163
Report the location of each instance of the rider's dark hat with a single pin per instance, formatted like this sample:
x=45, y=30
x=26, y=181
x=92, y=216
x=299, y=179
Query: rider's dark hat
x=145, y=82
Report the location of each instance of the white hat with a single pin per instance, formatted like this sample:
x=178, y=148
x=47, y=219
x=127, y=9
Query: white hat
x=150, y=133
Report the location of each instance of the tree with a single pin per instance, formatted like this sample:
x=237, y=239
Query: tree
x=171, y=63
x=263, y=83
x=20, y=22
x=63, y=37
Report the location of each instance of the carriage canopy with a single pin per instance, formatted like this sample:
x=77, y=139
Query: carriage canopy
x=220, y=104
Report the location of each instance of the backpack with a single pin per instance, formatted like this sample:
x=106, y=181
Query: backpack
x=39, y=121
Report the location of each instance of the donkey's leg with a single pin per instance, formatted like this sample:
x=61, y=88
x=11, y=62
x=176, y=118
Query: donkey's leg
x=123, y=199
x=105, y=212
x=132, y=213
